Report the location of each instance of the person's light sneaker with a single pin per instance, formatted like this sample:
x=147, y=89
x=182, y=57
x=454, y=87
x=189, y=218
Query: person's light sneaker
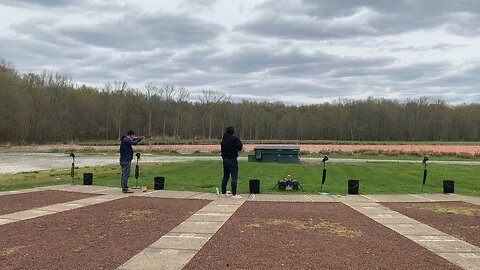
x=236, y=197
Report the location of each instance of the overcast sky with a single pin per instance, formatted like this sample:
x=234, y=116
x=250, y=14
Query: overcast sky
x=298, y=51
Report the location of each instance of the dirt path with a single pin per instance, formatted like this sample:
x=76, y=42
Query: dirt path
x=312, y=148
x=28, y=162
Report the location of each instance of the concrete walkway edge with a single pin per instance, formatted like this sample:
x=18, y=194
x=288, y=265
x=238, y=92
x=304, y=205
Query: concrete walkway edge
x=461, y=253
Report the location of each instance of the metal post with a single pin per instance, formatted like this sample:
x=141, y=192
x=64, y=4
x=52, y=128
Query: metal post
x=72, y=169
x=425, y=159
x=324, y=176
x=137, y=171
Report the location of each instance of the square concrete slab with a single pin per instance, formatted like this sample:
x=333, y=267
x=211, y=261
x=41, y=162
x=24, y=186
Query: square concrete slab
x=76, y=188
x=378, y=209
x=4, y=221
x=170, y=194
x=228, y=200
x=61, y=207
x=362, y=204
x=397, y=198
x=355, y=199
x=98, y=199
x=210, y=216
x=469, y=261
x=322, y=198
x=414, y=229
x=181, y=241
x=281, y=198
x=205, y=196
x=107, y=190
x=28, y=214
x=10, y=192
x=154, y=259
x=391, y=215
x=219, y=208
x=439, y=197
x=197, y=227
x=444, y=244
x=395, y=220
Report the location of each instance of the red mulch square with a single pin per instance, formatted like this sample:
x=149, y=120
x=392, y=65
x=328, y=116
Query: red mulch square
x=459, y=219
x=101, y=236
x=24, y=201
x=274, y=235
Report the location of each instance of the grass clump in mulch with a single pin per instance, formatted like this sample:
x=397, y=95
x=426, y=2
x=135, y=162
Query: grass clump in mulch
x=324, y=225
x=10, y=250
x=448, y=209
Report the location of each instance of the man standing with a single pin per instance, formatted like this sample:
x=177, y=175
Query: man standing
x=230, y=146
x=126, y=156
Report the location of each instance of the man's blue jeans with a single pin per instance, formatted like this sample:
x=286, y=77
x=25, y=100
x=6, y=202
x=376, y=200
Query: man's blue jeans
x=125, y=173
x=230, y=168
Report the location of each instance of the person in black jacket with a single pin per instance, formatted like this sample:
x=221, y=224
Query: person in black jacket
x=230, y=146
x=126, y=156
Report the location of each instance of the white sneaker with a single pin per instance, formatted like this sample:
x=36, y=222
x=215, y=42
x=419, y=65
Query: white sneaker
x=236, y=197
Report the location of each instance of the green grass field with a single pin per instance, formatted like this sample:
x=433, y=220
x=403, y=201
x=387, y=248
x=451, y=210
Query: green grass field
x=205, y=176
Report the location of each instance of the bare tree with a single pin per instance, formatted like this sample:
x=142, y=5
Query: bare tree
x=181, y=96
x=152, y=90
x=120, y=89
x=210, y=100
x=167, y=94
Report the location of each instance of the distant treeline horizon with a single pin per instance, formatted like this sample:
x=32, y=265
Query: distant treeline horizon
x=50, y=108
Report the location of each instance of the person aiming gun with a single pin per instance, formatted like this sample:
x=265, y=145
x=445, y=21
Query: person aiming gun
x=126, y=156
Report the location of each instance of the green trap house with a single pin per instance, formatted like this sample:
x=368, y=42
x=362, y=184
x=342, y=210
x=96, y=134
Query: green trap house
x=282, y=154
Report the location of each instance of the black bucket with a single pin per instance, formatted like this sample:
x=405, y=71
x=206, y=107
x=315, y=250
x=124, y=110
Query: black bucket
x=254, y=186
x=448, y=186
x=87, y=178
x=353, y=186
x=159, y=182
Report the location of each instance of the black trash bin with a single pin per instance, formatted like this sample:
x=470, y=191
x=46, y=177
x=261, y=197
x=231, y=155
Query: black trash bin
x=254, y=186
x=87, y=178
x=159, y=182
x=448, y=186
x=353, y=186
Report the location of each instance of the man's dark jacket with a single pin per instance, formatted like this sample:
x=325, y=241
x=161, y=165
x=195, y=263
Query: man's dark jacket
x=126, y=151
x=231, y=144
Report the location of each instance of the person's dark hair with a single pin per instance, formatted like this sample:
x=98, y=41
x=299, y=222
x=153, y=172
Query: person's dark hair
x=130, y=132
x=230, y=130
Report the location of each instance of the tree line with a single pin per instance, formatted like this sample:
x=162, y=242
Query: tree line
x=50, y=107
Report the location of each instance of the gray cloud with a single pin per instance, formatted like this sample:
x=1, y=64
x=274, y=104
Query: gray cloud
x=467, y=78
x=199, y=3
x=279, y=61
x=44, y=3
x=312, y=20
x=130, y=32
x=415, y=72
x=144, y=32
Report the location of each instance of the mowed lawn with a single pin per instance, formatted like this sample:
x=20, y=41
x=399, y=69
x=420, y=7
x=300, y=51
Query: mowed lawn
x=205, y=176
